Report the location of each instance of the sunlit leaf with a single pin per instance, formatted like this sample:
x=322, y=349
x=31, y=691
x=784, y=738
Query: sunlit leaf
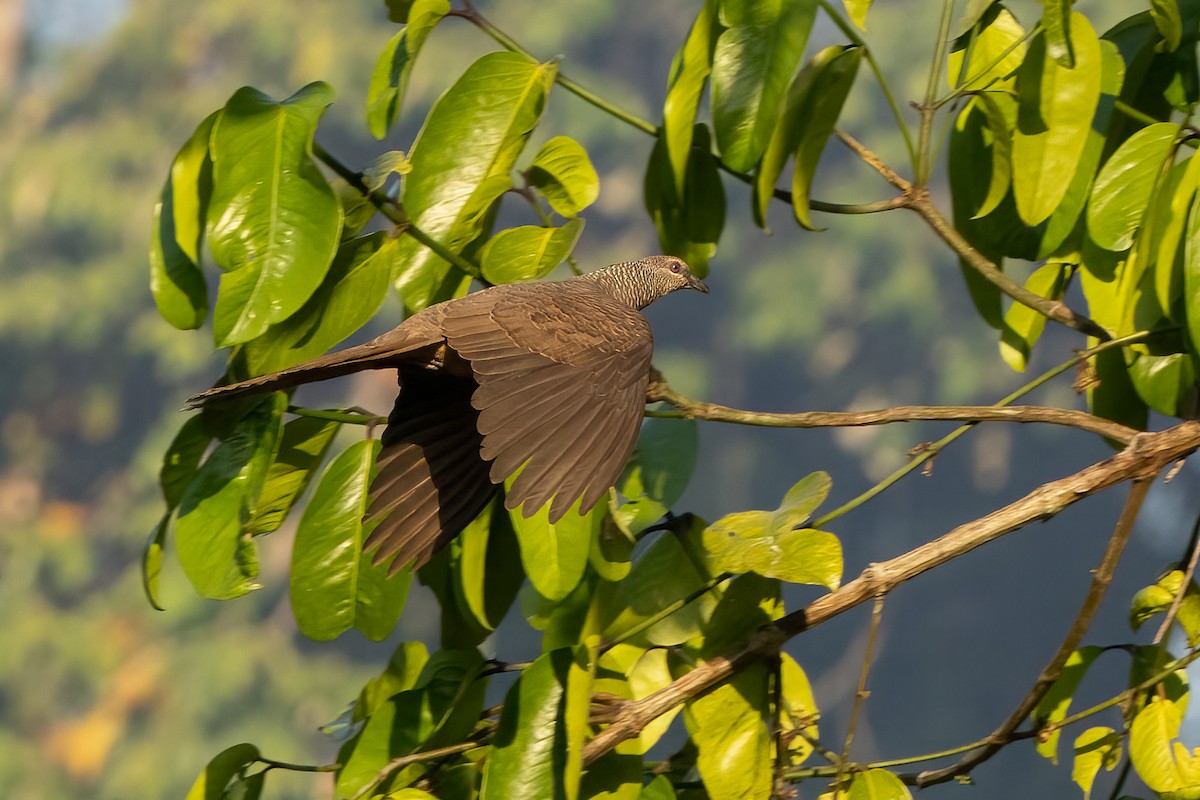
x=489, y=570
x=563, y=174
x=857, y=11
x=877, y=784
x=996, y=51
x=1167, y=20
x=152, y=555
x=302, y=447
x=1162, y=762
x=729, y=727
x=182, y=458
x=1022, y=325
x=273, y=221
x=528, y=252
x=1095, y=748
x=219, y=772
x=1056, y=24
x=1126, y=183
x=555, y=554
x=658, y=472
x=389, y=81
x=689, y=73
x=754, y=61
x=689, y=226
x=1054, y=705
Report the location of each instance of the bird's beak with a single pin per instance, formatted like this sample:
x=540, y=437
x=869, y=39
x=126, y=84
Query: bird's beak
x=697, y=284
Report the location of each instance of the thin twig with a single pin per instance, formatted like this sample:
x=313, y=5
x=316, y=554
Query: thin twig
x=1100, y=581
x=860, y=696
x=403, y=761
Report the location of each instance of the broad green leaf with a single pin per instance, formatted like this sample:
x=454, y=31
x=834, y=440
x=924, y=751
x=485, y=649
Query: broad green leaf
x=877, y=784
x=969, y=161
x=1095, y=748
x=528, y=252
x=1160, y=596
x=1022, y=325
x=1147, y=663
x=672, y=570
x=689, y=226
x=350, y=294
x=645, y=672
x=729, y=726
x=814, y=101
x=658, y=472
x=176, y=280
x=1126, y=183
x=357, y=208
x=689, y=72
x=213, y=545
x=857, y=11
x=224, y=767
x=996, y=51
x=555, y=554
x=334, y=585
x=658, y=789
x=563, y=174
x=441, y=709
x=1166, y=225
x=1162, y=762
x=183, y=458
x=402, y=673
x=1056, y=107
x=152, y=555
x=1053, y=706
x=754, y=61
x=1056, y=23
x=1164, y=383
x=1166, y=16
x=273, y=220
x=302, y=447
x=495, y=105
x=747, y=603
x=617, y=775
x=576, y=710
x=459, y=627
x=389, y=81
x=797, y=709
x=1000, y=111
x=489, y=571
x=529, y=758
x=769, y=542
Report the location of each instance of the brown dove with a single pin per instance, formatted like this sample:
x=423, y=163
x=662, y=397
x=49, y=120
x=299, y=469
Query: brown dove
x=548, y=376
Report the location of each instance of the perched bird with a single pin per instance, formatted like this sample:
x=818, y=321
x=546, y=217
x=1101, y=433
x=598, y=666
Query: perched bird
x=550, y=376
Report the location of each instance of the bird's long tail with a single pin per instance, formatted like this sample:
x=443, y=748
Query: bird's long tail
x=389, y=350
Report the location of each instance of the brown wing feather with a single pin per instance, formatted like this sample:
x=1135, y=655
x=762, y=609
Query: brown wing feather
x=432, y=480
x=562, y=372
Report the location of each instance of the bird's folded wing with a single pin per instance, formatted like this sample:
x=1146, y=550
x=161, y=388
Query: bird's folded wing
x=562, y=373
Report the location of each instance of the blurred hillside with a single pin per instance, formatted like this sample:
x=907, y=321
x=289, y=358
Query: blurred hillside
x=100, y=696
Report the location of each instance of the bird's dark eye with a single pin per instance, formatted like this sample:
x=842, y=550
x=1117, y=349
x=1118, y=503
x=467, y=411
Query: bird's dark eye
x=676, y=266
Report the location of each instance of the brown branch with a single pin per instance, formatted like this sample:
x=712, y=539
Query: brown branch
x=404, y=761
x=861, y=695
x=1050, y=673
x=917, y=199
x=693, y=409
x=1148, y=454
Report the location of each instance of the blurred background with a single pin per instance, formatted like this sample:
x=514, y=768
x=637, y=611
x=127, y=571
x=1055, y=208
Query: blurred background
x=103, y=697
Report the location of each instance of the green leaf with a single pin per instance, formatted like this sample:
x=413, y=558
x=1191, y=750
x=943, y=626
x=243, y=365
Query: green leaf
x=389, y=80
x=563, y=174
x=1022, y=325
x=689, y=226
x=402, y=673
x=1167, y=20
x=213, y=545
x=176, y=280
x=183, y=459
x=441, y=709
x=1095, y=748
x=495, y=105
x=350, y=294
x=1112, y=396
x=273, y=221
x=529, y=758
x=797, y=711
x=1165, y=383
x=334, y=586
x=224, y=767
x=671, y=570
x=729, y=726
x=1158, y=597
x=747, y=603
x=488, y=572
x=1126, y=183
x=877, y=784
x=302, y=447
x=658, y=789
x=645, y=672
x=1056, y=107
x=768, y=542
x=1191, y=272
x=528, y=252
x=1000, y=111
x=857, y=11
x=814, y=101
x=152, y=555
x=658, y=472
x=1163, y=764
x=1056, y=24
x=1164, y=246
x=555, y=554
x=1054, y=705
x=689, y=72
x=996, y=50
x=754, y=61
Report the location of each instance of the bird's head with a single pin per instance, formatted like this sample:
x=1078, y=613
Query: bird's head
x=639, y=283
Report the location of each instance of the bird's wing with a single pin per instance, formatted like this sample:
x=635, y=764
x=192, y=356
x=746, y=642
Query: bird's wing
x=562, y=372
x=431, y=481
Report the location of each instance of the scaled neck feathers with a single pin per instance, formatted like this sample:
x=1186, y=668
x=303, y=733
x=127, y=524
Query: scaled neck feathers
x=630, y=282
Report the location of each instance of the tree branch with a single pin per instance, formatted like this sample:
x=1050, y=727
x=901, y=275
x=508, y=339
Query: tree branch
x=1148, y=454
x=712, y=412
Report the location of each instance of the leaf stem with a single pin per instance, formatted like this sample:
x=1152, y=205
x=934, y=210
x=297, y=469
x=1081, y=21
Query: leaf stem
x=924, y=166
x=347, y=416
